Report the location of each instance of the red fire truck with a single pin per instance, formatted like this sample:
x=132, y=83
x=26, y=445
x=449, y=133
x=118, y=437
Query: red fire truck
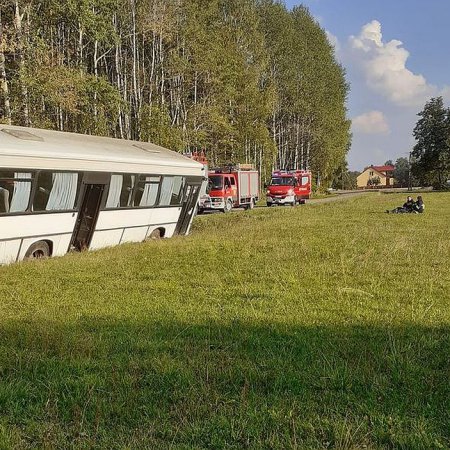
x=289, y=187
x=231, y=187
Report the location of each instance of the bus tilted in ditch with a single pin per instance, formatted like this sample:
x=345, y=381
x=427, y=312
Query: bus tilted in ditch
x=64, y=191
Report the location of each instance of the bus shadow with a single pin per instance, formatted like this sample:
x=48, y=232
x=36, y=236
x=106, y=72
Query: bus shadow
x=102, y=382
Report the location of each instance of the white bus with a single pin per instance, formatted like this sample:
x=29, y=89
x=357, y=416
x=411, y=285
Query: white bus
x=65, y=191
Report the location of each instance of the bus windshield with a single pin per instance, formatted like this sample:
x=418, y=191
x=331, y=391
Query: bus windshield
x=283, y=181
x=215, y=182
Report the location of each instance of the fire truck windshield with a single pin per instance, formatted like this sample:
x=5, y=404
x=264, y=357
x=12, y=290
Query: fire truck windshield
x=283, y=181
x=215, y=182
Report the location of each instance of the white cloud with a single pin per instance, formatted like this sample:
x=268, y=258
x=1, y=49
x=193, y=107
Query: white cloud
x=373, y=122
x=384, y=66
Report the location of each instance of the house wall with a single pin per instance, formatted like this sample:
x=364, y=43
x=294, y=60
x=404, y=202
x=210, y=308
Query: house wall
x=364, y=177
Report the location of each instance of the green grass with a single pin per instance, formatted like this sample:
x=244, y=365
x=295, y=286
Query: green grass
x=323, y=326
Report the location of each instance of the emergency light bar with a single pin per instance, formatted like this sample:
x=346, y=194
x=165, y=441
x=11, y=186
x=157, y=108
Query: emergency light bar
x=279, y=173
x=233, y=168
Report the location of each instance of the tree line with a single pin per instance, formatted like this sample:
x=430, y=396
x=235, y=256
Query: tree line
x=431, y=155
x=429, y=160
x=246, y=80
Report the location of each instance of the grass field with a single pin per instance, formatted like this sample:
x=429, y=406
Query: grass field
x=324, y=326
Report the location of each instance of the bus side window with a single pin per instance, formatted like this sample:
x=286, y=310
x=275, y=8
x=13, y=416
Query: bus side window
x=166, y=191
x=43, y=188
x=147, y=190
x=114, y=191
x=15, y=191
x=6, y=187
x=56, y=191
x=177, y=193
x=126, y=195
x=4, y=199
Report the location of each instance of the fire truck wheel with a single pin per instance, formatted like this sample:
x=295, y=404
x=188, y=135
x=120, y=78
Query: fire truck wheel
x=269, y=204
x=228, y=206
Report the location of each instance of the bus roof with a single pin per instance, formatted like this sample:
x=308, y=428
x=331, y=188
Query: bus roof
x=32, y=148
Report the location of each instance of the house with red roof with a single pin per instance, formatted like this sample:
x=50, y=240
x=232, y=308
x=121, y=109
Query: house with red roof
x=376, y=177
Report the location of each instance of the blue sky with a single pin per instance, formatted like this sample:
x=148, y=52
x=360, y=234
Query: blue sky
x=396, y=53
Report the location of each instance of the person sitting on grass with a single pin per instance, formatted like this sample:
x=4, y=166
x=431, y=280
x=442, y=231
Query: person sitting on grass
x=407, y=207
x=419, y=205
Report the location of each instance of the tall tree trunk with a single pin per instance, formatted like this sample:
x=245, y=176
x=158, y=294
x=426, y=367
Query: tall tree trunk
x=302, y=147
x=297, y=143
x=152, y=70
x=136, y=101
x=308, y=150
x=118, y=76
x=96, y=76
x=80, y=46
x=3, y=78
x=25, y=119
x=161, y=61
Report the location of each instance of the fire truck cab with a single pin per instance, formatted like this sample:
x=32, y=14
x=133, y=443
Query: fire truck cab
x=231, y=187
x=289, y=187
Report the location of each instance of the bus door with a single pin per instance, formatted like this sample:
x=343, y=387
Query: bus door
x=189, y=206
x=87, y=217
x=94, y=186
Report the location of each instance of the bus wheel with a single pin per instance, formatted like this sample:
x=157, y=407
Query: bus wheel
x=228, y=206
x=38, y=250
x=155, y=234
